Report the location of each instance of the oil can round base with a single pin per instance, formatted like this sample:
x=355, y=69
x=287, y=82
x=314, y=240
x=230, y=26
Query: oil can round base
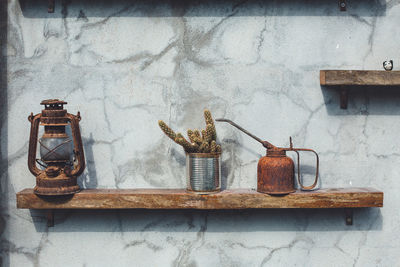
x=277, y=193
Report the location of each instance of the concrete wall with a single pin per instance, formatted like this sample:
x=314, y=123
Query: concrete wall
x=126, y=64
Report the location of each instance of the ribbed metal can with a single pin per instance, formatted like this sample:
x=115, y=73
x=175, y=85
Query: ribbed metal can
x=203, y=172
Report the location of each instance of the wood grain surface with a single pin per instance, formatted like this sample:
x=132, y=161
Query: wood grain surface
x=359, y=77
x=181, y=199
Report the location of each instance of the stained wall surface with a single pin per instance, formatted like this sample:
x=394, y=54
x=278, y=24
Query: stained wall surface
x=126, y=64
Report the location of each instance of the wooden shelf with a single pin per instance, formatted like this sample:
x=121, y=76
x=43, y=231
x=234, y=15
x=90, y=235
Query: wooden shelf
x=359, y=78
x=344, y=79
x=51, y=5
x=181, y=199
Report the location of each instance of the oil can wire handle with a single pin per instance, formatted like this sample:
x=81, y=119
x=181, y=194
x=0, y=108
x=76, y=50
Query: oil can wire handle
x=298, y=168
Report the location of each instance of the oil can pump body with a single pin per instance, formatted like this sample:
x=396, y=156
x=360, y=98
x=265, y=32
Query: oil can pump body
x=275, y=171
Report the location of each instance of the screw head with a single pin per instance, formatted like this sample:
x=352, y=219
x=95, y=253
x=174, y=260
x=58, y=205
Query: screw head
x=388, y=65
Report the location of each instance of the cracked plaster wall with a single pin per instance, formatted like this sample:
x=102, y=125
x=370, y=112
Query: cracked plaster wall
x=125, y=64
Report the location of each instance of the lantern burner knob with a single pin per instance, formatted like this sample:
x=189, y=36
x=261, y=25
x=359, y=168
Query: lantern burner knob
x=53, y=171
x=52, y=104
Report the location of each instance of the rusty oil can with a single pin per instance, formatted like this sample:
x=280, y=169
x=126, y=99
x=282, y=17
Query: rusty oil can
x=275, y=171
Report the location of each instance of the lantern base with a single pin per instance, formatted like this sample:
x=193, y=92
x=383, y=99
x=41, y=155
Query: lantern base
x=56, y=186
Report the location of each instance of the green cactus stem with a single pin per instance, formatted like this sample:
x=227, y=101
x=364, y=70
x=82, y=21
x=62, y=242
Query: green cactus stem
x=213, y=146
x=204, y=147
x=190, y=135
x=167, y=130
x=187, y=146
x=209, y=133
x=209, y=120
x=197, y=137
x=218, y=149
x=203, y=134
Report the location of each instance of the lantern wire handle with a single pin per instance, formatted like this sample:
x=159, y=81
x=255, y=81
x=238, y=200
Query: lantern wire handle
x=41, y=163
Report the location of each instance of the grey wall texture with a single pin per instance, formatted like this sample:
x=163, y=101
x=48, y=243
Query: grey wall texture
x=126, y=64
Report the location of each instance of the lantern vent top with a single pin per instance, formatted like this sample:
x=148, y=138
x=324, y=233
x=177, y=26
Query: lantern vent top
x=51, y=104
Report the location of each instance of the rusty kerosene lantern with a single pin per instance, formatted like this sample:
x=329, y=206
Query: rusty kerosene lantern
x=275, y=171
x=59, y=173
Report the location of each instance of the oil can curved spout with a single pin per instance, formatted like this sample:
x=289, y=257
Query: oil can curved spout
x=266, y=144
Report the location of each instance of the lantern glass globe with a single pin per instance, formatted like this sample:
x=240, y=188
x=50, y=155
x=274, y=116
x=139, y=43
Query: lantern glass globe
x=56, y=149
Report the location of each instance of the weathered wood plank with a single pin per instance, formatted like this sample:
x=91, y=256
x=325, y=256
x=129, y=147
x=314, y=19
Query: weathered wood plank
x=359, y=78
x=181, y=199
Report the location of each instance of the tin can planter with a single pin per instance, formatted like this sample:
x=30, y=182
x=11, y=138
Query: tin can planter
x=203, y=171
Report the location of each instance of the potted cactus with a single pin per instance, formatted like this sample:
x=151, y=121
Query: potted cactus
x=202, y=155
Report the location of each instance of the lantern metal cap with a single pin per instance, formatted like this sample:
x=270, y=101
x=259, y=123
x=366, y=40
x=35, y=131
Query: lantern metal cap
x=53, y=102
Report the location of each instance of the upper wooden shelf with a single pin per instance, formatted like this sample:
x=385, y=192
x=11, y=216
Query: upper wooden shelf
x=359, y=78
x=347, y=198
x=344, y=79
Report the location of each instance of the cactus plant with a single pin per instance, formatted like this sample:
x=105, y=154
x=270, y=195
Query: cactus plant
x=203, y=141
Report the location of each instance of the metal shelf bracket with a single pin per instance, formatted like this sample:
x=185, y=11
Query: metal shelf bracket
x=342, y=5
x=349, y=216
x=50, y=6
